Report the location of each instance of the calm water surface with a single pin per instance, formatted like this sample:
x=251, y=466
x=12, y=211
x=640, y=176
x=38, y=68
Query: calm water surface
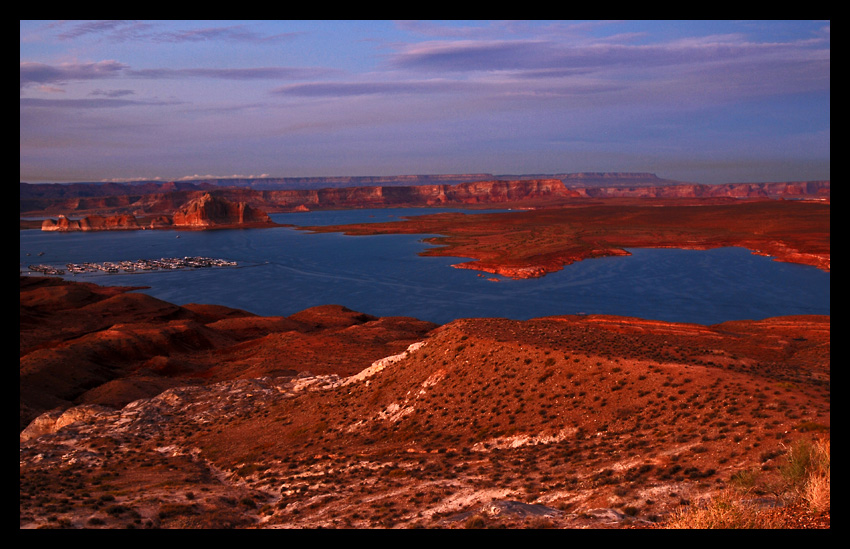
x=283, y=270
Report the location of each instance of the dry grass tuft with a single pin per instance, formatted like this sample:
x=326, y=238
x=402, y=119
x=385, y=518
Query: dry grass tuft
x=806, y=477
x=723, y=512
x=815, y=489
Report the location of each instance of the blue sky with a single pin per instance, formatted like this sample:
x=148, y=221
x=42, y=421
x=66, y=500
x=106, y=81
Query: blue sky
x=699, y=101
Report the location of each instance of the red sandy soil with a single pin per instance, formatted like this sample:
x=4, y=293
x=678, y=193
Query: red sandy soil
x=559, y=422
x=526, y=244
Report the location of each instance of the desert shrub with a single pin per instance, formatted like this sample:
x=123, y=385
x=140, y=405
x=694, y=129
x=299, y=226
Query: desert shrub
x=540, y=523
x=170, y=510
x=806, y=471
x=723, y=512
x=116, y=509
x=475, y=521
x=745, y=479
x=804, y=459
x=816, y=492
x=811, y=426
x=769, y=454
x=631, y=510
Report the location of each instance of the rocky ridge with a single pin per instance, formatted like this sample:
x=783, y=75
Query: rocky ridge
x=575, y=421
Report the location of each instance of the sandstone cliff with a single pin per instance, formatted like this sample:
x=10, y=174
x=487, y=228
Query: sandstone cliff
x=494, y=191
x=210, y=211
x=204, y=212
x=91, y=223
x=504, y=192
x=730, y=190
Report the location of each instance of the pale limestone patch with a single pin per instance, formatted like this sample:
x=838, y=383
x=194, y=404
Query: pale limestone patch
x=516, y=441
x=380, y=364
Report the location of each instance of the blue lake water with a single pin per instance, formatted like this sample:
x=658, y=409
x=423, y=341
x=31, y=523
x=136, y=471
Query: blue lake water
x=282, y=271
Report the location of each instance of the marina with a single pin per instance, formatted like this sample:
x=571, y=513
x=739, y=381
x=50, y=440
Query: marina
x=164, y=263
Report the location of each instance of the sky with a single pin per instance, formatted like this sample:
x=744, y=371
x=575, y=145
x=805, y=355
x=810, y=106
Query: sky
x=696, y=101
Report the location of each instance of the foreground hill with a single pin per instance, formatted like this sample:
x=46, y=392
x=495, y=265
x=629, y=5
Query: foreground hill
x=574, y=421
x=87, y=344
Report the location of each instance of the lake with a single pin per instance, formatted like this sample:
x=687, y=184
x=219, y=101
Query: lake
x=282, y=271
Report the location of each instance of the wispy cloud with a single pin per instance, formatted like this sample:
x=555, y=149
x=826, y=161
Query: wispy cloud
x=112, y=93
x=210, y=176
x=470, y=55
x=123, y=31
x=41, y=73
x=345, y=89
x=85, y=28
x=250, y=73
x=492, y=55
x=98, y=103
x=235, y=33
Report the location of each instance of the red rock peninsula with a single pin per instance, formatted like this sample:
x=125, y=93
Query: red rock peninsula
x=528, y=244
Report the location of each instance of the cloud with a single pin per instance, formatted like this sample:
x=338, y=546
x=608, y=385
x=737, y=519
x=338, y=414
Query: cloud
x=93, y=27
x=41, y=73
x=121, y=31
x=344, y=89
x=235, y=33
x=48, y=77
x=527, y=55
x=112, y=93
x=232, y=176
x=673, y=73
x=250, y=73
x=98, y=103
x=469, y=55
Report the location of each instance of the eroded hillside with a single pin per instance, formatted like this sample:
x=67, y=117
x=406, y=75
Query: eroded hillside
x=581, y=421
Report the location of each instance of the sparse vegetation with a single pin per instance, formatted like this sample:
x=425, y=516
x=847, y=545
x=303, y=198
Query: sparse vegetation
x=530, y=411
x=724, y=511
x=805, y=475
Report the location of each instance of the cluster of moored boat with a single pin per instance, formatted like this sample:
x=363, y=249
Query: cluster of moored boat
x=46, y=269
x=137, y=265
